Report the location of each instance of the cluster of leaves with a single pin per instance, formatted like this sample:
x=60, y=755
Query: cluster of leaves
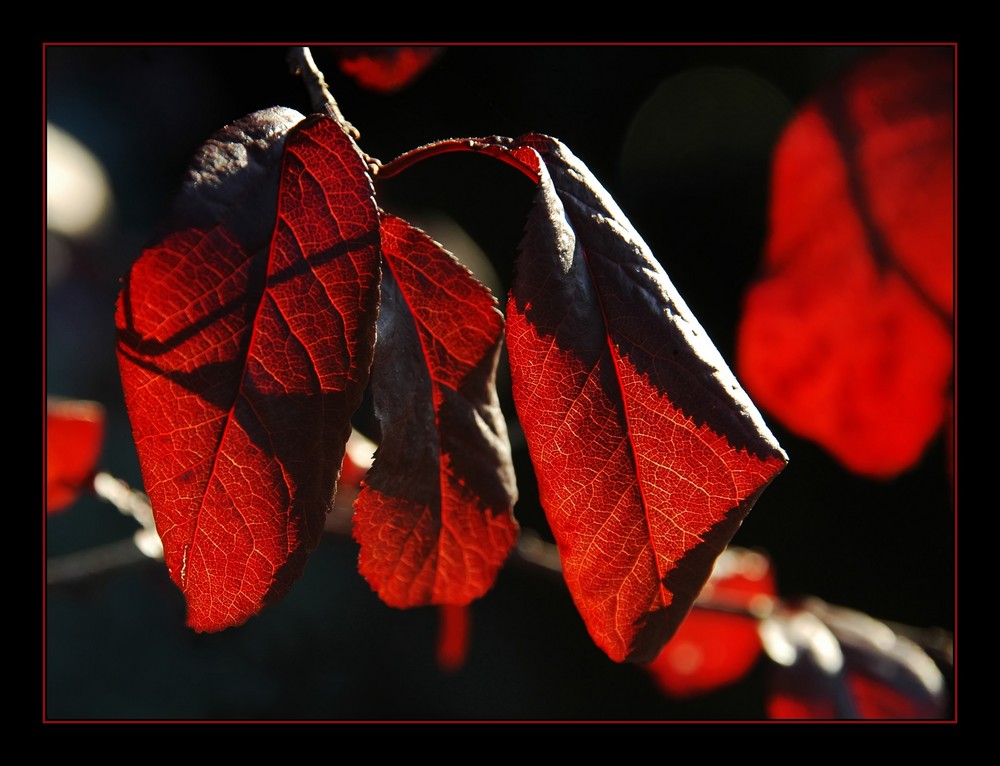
x=822, y=661
x=279, y=291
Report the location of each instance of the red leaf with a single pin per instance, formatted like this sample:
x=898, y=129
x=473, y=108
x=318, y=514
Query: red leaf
x=848, y=337
x=386, y=68
x=718, y=642
x=245, y=341
x=648, y=453
x=74, y=434
x=434, y=518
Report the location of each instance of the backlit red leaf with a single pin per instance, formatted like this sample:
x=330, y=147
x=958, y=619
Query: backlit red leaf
x=74, y=435
x=245, y=339
x=434, y=517
x=648, y=453
x=848, y=336
x=386, y=68
x=718, y=642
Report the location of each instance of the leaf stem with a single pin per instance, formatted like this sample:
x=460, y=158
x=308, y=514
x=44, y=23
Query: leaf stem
x=144, y=545
x=132, y=502
x=495, y=146
x=129, y=501
x=301, y=62
x=92, y=562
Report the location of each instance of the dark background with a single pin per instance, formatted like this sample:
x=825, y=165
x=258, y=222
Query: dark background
x=681, y=136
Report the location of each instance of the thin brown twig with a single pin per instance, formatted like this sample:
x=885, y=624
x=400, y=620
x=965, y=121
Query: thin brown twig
x=302, y=64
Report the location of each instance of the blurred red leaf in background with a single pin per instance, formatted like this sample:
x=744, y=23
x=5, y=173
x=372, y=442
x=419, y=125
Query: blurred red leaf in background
x=386, y=68
x=74, y=435
x=830, y=662
x=358, y=454
x=847, y=338
x=718, y=642
x=454, y=626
